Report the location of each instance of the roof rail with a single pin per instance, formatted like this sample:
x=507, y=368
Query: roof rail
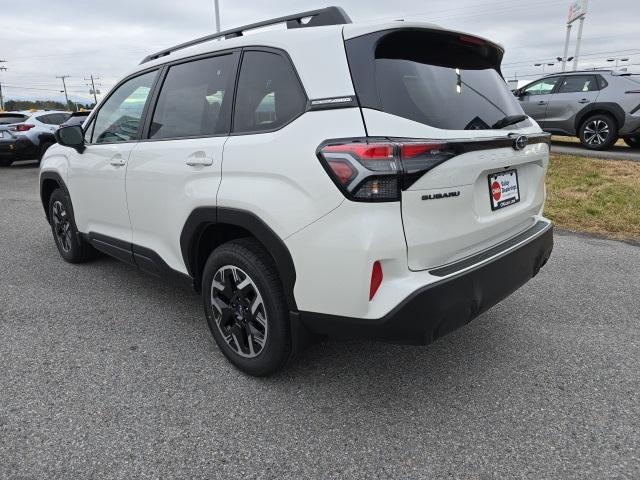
x=314, y=18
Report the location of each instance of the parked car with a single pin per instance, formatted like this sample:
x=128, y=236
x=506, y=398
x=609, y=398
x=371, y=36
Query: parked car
x=31, y=133
x=597, y=106
x=332, y=178
x=76, y=118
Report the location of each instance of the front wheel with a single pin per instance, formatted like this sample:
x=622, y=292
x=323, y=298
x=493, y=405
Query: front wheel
x=71, y=246
x=633, y=142
x=598, y=132
x=246, y=308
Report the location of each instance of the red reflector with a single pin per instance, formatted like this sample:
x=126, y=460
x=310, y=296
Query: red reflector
x=23, y=127
x=471, y=40
x=364, y=151
x=342, y=170
x=376, y=279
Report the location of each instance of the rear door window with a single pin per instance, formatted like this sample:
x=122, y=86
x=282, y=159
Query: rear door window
x=269, y=93
x=194, y=100
x=443, y=80
x=578, y=83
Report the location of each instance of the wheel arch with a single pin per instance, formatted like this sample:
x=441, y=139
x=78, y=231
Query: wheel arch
x=607, y=108
x=208, y=227
x=49, y=182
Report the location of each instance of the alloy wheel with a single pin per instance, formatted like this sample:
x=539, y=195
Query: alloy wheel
x=239, y=311
x=62, y=226
x=596, y=132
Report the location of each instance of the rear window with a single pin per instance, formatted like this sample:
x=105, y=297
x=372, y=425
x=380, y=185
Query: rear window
x=443, y=80
x=6, y=119
x=53, y=118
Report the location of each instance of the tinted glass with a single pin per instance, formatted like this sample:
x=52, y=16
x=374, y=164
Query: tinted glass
x=119, y=117
x=192, y=98
x=542, y=87
x=578, y=83
x=269, y=93
x=53, y=118
x=7, y=119
x=439, y=82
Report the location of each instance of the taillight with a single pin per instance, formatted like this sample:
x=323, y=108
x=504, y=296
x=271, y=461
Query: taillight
x=23, y=127
x=377, y=170
x=376, y=279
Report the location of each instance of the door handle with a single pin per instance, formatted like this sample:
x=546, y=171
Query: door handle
x=117, y=161
x=199, y=159
x=584, y=100
x=542, y=102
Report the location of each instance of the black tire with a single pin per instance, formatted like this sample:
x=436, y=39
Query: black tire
x=70, y=244
x=43, y=149
x=5, y=162
x=633, y=142
x=598, y=132
x=247, y=259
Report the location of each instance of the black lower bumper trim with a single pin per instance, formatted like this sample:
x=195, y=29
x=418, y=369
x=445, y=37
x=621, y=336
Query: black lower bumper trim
x=442, y=307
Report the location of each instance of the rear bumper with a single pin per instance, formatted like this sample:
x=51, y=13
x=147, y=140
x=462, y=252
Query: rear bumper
x=440, y=308
x=20, y=148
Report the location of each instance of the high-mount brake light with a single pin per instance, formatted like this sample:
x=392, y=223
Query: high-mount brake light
x=377, y=170
x=472, y=40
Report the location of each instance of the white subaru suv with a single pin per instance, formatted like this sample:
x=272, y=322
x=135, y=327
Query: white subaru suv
x=375, y=180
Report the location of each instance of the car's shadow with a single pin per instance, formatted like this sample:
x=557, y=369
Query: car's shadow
x=25, y=164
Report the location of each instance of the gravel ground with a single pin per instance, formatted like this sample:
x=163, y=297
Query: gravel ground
x=109, y=373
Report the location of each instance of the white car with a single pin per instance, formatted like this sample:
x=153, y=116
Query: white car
x=375, y=179
x=28, y=134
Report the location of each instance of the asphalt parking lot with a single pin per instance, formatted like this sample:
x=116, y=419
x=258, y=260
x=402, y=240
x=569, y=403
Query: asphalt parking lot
x=616, y=152
x=109, y=373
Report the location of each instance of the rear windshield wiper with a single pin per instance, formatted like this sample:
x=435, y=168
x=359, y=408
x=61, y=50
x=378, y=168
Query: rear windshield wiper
x=509, y=120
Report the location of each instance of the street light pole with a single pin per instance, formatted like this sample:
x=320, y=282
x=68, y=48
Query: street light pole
x=578, y=42
x=566, y=47
x=217, y=8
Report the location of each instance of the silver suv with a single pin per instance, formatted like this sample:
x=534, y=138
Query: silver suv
x=597, y=106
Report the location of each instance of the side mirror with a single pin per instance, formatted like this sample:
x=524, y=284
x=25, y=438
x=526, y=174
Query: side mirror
x=72, y=136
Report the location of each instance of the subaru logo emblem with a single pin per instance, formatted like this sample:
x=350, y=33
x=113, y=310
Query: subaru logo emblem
x=520, y=142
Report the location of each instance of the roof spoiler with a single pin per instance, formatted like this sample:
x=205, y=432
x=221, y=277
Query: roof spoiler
x=312, y=18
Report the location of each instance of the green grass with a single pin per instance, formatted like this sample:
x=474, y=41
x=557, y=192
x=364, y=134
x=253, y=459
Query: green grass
x=595, y=196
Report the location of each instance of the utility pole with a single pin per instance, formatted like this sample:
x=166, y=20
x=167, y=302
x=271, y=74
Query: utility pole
x=93, y=87
x=2, y=69
x=64, y=85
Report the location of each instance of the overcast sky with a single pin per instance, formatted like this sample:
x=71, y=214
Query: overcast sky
x=42, y=39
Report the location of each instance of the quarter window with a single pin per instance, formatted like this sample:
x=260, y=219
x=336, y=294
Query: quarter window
x=194, y=100
x=269, y=93
x=119, y=118
x=578, y=83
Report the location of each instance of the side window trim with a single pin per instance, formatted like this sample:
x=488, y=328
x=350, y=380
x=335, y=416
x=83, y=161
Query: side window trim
x=91, y=121
x=154, y=95
x=287, y=58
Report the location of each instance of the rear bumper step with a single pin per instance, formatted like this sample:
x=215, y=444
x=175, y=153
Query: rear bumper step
x=442, y=307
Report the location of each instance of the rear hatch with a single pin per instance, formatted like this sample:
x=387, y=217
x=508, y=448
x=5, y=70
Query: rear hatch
x=473, y=165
